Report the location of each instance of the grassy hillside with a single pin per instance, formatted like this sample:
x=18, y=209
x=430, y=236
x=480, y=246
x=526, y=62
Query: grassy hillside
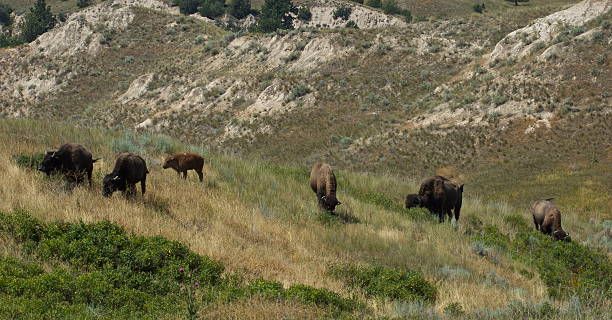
x=260, y=220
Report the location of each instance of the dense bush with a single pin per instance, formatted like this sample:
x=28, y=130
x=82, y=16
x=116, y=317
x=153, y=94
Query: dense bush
x=276, y=14
x=374, y=3
x=566, y=268
x=5, y=15
x=479, y=8
x=31, y=161
x=188, y=6
x=211, y=8
x=304, y=14
x=240, y=8
x=37, y=21
x=384, y=282
x=342, y=12
x=83, y=3
x=124, y=276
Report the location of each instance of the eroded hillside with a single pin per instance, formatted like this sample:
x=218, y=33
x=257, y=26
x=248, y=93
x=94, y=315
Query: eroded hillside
x=526, y=87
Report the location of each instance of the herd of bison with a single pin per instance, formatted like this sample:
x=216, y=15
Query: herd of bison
x=438, y=194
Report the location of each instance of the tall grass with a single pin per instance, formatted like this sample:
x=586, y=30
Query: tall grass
x=262, y=221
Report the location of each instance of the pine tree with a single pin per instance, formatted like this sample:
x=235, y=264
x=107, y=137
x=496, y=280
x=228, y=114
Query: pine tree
x=276, y=14
x=37, y=21
x=212, y=8
x=240, y=8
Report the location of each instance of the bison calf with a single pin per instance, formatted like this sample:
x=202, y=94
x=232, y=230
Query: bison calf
x=74, y=161
x=184, y=161
x=323, y=183
x=129, y=169
x=547, y=219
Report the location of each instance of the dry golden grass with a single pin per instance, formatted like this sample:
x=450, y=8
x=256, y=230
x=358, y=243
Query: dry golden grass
x=265, y=224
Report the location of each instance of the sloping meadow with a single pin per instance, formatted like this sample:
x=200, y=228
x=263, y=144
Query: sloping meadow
x=253, y=240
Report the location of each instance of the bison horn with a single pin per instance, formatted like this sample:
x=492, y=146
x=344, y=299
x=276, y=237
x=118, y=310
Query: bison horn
x=116, y=178
x=323, y=198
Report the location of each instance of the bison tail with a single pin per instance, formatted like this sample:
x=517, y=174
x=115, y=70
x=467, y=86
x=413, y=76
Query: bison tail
x=549, y=199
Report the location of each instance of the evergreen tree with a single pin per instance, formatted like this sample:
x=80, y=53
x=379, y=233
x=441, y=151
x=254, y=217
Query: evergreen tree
x=5, y=14
x=212, y=8
x=37, y=21
x=276, y=14
x=240, y=8
x=188, y=6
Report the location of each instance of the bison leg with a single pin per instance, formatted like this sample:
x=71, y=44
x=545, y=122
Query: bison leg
x=537, y=226
x=185, y=174
x=130, y=190
x=200, y=175
x=143, y=185
x=89, y=171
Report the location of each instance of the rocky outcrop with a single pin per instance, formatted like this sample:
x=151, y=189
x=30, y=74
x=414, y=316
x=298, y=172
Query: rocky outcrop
x=521, y=42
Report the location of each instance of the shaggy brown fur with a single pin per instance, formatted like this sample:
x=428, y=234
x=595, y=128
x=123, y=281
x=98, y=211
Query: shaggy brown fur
x=439, y=195
x=184, y=161
x=72, y=160
x=323, y=183
x=129, y=170
x=447, y=197
x=547, y=219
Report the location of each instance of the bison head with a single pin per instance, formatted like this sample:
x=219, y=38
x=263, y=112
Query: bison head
x=562, y=235
x=50, y=163
x=112, y=183
x=171, y=162
x=413, y=201
x=329, y=203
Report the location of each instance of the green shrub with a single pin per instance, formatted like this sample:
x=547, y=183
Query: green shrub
x=321, y=297
x=384, y=282
x=211, y=8
x=276, y=14
x=454, y=310
x=5, y=15
x=351, y=24
x=479, y=8
x=374, y=3
x=391, y=7
x=122, y=275
x=342, y=12
x=240, y=8
x=566, y=268
x=270, y=289
x=37, y=21
x=83, y=3
x=188, y=6
x=304, y=14
x=30, y=161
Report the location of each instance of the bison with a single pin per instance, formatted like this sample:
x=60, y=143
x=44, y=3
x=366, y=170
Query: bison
x=547, y=219
x=184, y=161
x=440, y=196
x=323, y=183
x=74, y=161
x=129, y=169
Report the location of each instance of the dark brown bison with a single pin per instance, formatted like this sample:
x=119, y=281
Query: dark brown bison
x=129, y=169
x=74, y=161
x=184, y=161
x=440, y=196
x=547, y=219
x=323, y=183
